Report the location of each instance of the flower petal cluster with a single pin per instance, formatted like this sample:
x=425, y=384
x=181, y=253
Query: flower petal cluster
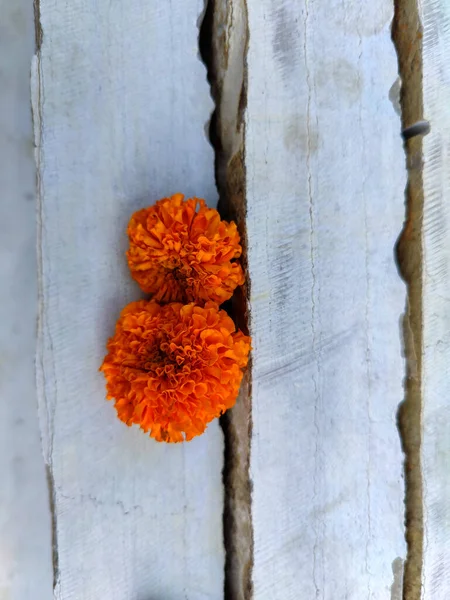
x=176, y=361
x=173, y=368
x=181, y=251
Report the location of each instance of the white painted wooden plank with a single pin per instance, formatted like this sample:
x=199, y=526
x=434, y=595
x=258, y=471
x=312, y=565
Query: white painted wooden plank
x=25, y=556
x=435, y=16
x=122, y=103
x=325, y=193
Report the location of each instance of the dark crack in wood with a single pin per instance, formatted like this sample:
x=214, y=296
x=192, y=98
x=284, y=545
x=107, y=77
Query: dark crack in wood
x=37, y=25
x=52, y=503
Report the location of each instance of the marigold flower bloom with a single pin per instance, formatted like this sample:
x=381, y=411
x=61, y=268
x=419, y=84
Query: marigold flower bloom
x=173, y=368
x=181, y=251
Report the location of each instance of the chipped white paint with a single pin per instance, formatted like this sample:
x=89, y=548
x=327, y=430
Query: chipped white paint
x=121, y=104
x=436, y=300
x=25, y=556
x=325, y=193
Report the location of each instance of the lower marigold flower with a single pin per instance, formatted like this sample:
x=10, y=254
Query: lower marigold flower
x=172, y=369
x=181, y=251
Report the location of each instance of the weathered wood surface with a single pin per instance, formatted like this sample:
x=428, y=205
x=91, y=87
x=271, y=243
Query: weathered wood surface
x=121, y=104
x=325, y=197
x=435, y=16
x=25, y=556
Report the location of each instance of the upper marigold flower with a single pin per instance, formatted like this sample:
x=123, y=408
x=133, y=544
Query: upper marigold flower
x=180, y=250
x=172, y=369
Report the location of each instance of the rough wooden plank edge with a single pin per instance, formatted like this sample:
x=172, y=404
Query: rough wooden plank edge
x=36, y=103
x=407, y=37
x=223, y=44
x=36, y=106
x=237, y=425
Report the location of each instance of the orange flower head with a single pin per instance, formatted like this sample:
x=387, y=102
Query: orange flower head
x=173, y=368
x=181, y=251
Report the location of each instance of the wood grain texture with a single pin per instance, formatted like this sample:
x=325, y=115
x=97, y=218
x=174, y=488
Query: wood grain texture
x=25, y=556
x=121, y=105
x=435, y=16
x=325, y=198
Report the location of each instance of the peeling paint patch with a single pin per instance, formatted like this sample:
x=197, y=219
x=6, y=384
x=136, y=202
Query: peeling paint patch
x=397, y=584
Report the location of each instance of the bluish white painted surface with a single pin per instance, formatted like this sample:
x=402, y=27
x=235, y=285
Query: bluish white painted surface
x=25, y=554
x=435, y=16
x=121, y=106
x=120, y=122
x=325, y=193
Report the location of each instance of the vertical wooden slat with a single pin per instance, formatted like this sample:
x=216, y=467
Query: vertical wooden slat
x=121, y=104
x=435, y=15
x=325, y=198
x=25, y=557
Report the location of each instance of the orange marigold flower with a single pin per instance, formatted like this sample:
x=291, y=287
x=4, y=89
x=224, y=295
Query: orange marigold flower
x=172, y=369
x=181, y=251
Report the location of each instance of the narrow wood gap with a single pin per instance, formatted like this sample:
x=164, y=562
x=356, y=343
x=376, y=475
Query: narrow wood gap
x=38, y=34
x=407, y=38
x=223, y=48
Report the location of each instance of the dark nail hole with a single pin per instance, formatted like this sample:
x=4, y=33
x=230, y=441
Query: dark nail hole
x=419, y=128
